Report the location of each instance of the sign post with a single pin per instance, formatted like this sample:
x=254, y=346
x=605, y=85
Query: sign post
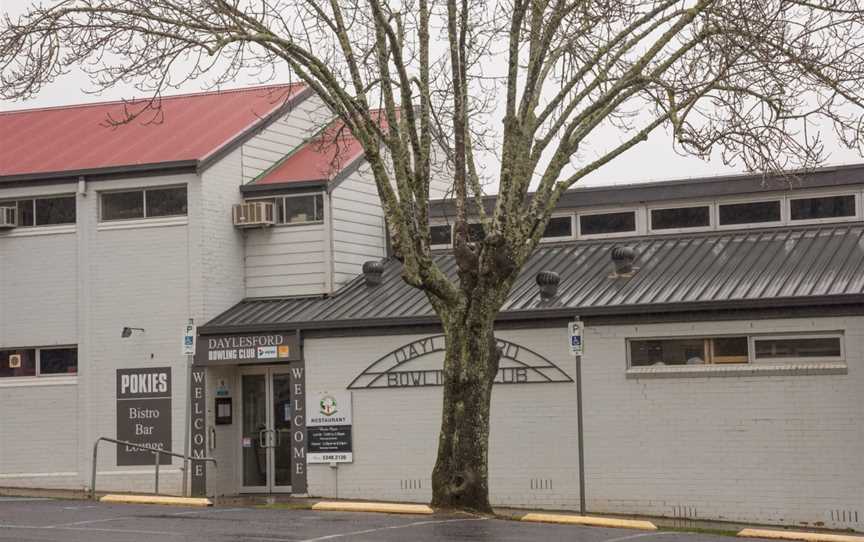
x=575, y=331
x=329, y=428
x=189, y=332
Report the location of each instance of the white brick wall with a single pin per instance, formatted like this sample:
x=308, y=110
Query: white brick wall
x=773, y=449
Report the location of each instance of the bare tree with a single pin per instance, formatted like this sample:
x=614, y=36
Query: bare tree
x=742, y=79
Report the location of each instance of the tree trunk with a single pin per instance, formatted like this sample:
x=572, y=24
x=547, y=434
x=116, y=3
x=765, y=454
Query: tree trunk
x=460, y=478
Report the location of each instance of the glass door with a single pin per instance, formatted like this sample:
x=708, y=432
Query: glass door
x=266, y=430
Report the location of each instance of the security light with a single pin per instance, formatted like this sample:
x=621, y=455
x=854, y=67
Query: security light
x=127, y=331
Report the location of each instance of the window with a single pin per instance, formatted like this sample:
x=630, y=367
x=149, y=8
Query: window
x=688, y=351
x=21, y=362
x=607, y=223
x=440, y=234
x=738, y=349
x=149, y=203
x=299, y=209
x=749, y=213
x=56, y=361
x=680, y=218
x=48, y=211
x=39, y=361
x=784, y=348
x=296, y=209
x=823, y=207
x=559, y=227
x=166, y=201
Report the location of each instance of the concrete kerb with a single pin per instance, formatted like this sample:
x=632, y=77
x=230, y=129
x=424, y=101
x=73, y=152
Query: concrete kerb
x=422, y=509
x=798, y=535
x=155, y=499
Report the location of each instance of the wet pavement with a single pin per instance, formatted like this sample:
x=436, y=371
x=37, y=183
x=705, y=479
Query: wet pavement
x=31, y=520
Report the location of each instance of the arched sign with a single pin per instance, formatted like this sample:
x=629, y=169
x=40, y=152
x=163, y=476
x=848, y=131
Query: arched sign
x=415, y=365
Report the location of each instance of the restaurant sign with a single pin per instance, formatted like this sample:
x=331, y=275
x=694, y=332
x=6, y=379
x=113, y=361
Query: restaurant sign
x=419, y=364
x=239, y=349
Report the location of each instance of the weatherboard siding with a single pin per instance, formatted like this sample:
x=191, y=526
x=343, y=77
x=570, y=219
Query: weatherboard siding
x=286, y=260
x=358, y=225
x=281, y=137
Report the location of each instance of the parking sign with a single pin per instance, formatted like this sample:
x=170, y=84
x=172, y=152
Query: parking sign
x=574, y=332
x=189, y=340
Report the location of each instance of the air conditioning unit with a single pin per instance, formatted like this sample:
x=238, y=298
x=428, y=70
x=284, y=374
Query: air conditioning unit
x=8, y=217
x=253, y=214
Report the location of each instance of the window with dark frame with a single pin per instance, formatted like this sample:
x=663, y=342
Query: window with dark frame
x=607, y=223
x=302, y=209
x=680, y=218
x=796, y=347
x=58, y=361
x=822, y=207
x=749, y=212
x=559, y=227
x=727, y=350
x=166, y=201
x=688, y=351
x=440, y=234
x=159, y=202
x=47, y=361
x=47, y=211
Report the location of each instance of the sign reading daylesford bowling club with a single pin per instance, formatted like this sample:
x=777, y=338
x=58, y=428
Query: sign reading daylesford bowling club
x=247, y=348
x=328, y=425
x=143, y=414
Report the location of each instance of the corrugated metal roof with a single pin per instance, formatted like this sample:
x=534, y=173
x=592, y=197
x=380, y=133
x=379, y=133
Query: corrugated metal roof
x=320, y=159
x=331, y=153
x=189, y=127
x=709, y=271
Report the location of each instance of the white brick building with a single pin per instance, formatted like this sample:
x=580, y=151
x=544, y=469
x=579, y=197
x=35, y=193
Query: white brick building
x=721, y=376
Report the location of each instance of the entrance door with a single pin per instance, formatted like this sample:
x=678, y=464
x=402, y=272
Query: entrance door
x=266, y=427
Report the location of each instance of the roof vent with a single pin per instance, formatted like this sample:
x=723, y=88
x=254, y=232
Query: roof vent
x=372, y=271
x=548, y=283
x=623, y=258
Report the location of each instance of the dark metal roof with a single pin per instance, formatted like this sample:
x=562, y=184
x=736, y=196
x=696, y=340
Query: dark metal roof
x=780, y=267
x=694, y=188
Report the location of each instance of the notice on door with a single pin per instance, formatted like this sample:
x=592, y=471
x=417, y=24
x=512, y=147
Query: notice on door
x=143, y=414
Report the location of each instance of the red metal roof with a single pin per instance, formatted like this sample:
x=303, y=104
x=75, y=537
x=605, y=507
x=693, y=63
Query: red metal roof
x=188, y=127
x=320, y=159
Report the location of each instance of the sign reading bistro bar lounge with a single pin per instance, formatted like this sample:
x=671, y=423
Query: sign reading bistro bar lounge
x=247, y=348
x=419, y=364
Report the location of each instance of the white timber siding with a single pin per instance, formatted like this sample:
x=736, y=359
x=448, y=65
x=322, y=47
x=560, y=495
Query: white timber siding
x=395, y=431
x=287, y=260
x=768, y=449
x=359, y=232
x=284, y=135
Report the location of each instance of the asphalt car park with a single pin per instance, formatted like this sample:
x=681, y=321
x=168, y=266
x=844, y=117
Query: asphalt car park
x=47, y=520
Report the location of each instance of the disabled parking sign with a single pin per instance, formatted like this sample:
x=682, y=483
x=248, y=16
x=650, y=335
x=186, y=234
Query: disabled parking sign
x=574, y=332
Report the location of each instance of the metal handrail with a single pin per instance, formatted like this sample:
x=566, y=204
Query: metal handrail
x=156, y=455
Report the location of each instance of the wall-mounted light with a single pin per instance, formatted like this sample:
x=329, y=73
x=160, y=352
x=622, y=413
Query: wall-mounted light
x=127, y=331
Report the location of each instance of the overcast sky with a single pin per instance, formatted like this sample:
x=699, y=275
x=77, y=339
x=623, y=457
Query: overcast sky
x=649, y=161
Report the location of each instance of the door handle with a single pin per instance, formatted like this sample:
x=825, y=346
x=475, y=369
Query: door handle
x=262, y=438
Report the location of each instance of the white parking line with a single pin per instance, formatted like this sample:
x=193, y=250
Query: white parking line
x=632, y=536
x=391, y=527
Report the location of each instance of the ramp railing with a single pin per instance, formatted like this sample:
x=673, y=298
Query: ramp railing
x=156, y=457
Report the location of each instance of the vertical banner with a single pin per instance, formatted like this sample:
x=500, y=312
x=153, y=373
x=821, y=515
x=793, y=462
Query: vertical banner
x=199, y=433
x=143, y=414
x=298, y=428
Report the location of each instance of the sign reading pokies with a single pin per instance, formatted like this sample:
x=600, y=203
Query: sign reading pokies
x=143, y=414
x=247, y=348
x=329, y=428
